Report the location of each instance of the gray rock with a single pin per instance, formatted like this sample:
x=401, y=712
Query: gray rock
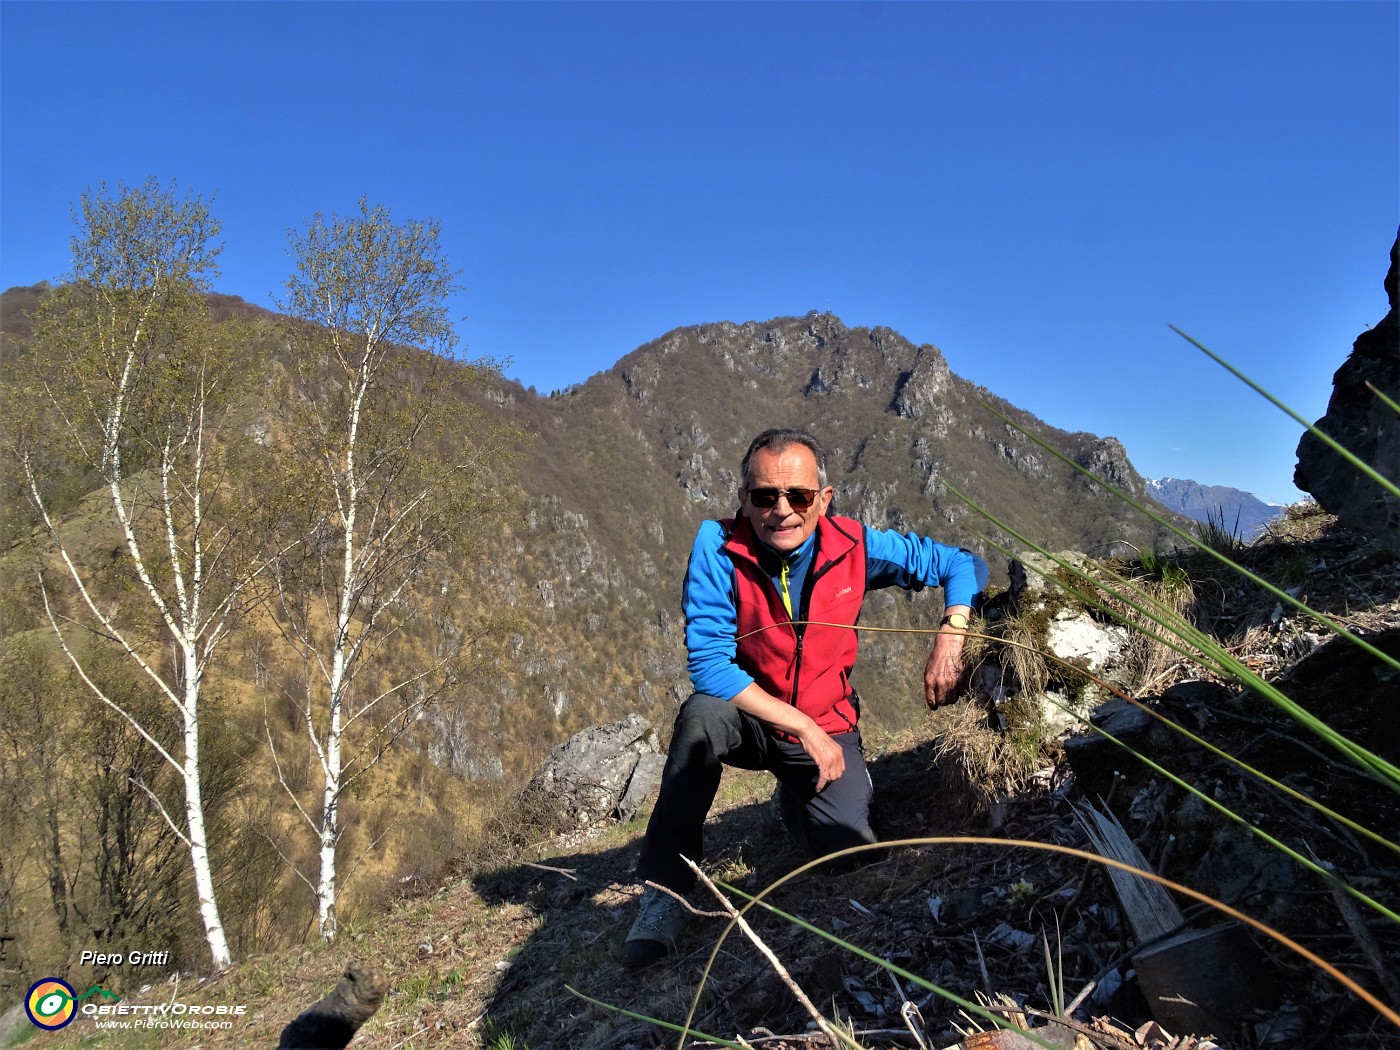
x=601, y=772
x=1197, y=693
x=1080, y=639
x=1364, y=425
x=921, y=390
x=1108, y=459
x=1037, y=573
x=1076, y=643
x=14, y=1023
x=1097, y=760
x=1236, y=863
x=646, y=778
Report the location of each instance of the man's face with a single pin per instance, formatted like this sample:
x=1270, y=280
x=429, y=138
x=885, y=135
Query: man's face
x=783, y=526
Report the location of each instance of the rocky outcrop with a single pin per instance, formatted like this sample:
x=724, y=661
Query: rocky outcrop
x=605, y=771
x=1362, y=423
x=923, y=389
x=1108, y=459
x=1048, y=676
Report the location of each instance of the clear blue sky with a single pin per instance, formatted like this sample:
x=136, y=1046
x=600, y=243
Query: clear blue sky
x=1038, y=189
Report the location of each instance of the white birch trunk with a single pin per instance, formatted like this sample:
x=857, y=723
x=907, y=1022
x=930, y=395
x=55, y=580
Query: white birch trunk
x=183, y=620
x=341, y=656
x=330, y=814
x=194, y=820
x=370, y=284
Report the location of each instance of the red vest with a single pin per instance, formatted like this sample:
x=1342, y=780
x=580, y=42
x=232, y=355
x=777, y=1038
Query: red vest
x=808, y=665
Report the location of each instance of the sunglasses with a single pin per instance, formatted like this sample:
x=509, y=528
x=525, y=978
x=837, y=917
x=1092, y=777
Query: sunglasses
x=798, y=499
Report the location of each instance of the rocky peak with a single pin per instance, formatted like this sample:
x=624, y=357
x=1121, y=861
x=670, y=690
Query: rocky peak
x=921, y=389
x=1107, y=458
x=1362, y=423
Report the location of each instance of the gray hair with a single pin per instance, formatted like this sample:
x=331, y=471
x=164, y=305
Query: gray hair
x=779, y=438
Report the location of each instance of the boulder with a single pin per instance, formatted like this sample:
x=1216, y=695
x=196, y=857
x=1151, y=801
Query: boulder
x=604, y=771
x=1034, y=574
x=1061, y=628
x=1098, y=761
x=1076, y=637
x=1363, y=424
x=14, y=1023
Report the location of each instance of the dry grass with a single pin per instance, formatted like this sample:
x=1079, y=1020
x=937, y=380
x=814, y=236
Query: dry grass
x=977, y=766
x=1027, y=662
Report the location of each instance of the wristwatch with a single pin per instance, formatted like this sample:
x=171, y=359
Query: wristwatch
x=957, y=621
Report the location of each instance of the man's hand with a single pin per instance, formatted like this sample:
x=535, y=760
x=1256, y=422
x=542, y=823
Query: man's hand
x=942, y=677
x=943, y=672
x=826, y=753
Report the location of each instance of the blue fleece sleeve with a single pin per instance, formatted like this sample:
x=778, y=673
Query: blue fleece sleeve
x=710, y=617
x=908, y=560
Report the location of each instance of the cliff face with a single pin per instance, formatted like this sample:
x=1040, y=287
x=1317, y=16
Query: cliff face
x=1364, y=425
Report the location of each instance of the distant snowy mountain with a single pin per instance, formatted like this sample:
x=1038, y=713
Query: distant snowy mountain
x=1241, y=513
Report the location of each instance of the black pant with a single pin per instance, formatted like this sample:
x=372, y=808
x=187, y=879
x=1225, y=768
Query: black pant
x=711, y=733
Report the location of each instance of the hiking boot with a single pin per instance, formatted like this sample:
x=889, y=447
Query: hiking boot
x=659, y=922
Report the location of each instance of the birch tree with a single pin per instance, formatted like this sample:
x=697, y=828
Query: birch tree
x=397, y=474
x=131, y=385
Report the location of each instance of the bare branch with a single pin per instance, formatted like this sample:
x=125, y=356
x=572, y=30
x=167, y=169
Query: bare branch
x=398, y=688
x=80, y=583
x=837, y=1038
x=286, y=860
x=97, y=690
x=355, y=864
x=160, y=808
x=277, y=764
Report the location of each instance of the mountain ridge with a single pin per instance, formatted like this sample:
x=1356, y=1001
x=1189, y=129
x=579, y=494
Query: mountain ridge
x=622, y=468
x=1241, y=514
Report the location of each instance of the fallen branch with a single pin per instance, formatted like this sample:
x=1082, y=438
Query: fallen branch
x=566, y=872
x=837, y=1039
x=1356, y=923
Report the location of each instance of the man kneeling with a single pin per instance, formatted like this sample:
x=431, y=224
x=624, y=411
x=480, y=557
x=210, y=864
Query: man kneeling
x=771, y=597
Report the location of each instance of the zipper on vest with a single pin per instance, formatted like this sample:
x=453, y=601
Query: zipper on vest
x=796, y=665
x=808, y=586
